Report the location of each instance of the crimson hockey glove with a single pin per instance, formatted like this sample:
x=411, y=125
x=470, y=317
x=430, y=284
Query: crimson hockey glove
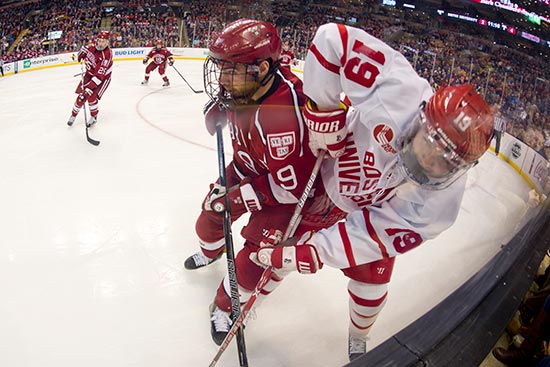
x=271, y=238
x=327, y=129
x=242, y=198
x=82, y=53
x=145, y=60
x=302, y=258
x=170, y=62
x=214, y=113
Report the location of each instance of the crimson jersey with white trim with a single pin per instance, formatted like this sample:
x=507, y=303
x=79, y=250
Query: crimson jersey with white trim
x=287, y=58
x=387, y=214
x=159, y=56
x=270, y=142
x=99, y=65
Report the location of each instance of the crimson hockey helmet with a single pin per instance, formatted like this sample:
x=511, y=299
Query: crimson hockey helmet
x=463, y=121
x=104, y=35
x=247, y=41
x=235, y=69
x=449, y=135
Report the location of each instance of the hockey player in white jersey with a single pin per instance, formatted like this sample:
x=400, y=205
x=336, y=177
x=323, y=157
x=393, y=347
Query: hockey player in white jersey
x=398, y=161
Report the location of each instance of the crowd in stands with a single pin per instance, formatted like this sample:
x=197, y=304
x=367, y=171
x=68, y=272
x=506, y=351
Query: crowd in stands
x=139, y=23
x=518, y=85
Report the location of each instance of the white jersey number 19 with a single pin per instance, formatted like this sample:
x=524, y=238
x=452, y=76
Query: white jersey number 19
x=364, y=73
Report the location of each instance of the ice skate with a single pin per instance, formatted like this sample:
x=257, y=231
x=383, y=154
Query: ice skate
x=71, y=120
x=166, y=83
x=220, y=322
x=144, y=82
x=199, y=260
x=91, y=121
x=357, y=346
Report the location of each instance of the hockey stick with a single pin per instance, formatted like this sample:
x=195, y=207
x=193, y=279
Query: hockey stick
x=266, y=275
x=229, y=250
x=90, y=140
x=79, y=74
x=193, y=89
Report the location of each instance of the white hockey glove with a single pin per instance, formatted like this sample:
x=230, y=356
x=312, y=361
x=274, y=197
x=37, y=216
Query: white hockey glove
x=145, y=59
x=242, y=198
x=217, y=191
x=214, y=113
x=302, y=258
x=327, y=129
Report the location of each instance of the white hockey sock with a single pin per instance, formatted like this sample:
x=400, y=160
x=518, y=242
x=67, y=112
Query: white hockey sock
x=365, y=302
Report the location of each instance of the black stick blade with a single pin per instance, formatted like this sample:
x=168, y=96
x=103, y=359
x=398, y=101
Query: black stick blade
x=90, y=140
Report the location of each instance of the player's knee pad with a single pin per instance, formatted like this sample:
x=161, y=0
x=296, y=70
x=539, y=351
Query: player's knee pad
x=209, y=227
x=248, y=272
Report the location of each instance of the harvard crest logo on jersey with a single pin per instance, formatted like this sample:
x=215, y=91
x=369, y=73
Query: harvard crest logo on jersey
x=281, y=145
x=383, y=134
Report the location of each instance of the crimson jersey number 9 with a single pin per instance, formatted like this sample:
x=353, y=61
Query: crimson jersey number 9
x=364, y=72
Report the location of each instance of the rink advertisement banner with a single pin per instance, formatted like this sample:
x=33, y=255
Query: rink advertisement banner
x=119, y=54
x=538, y=169
x=529, y=164
x=129, y=53
x=8, y=68
x=42, y=62
x=141, y=52
x=136, y=53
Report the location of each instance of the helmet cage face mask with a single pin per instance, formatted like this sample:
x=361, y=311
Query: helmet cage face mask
x=441, y=169
x=230, y=82
x=101, y=44
x=102, y=40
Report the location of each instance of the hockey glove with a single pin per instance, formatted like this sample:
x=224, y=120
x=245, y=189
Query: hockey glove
x=145, y=60
x=82, y=53
x=271, y=238
x=302, y=258
x=327, y=129
x=88, y=92
x=170, y=62
x=242, y=198
x=214, y=113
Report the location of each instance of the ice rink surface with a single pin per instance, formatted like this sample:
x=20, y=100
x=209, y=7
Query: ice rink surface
x=93, y=238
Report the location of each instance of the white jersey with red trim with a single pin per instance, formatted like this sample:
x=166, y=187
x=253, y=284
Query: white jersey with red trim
x=388, y=215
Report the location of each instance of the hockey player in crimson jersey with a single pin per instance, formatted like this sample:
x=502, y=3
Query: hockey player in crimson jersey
x=287, y=56
x=399, y=158
x=98, y=60
x=271, y=159
x=160, y=56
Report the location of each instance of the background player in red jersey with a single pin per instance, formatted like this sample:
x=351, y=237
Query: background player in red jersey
x=401, y=154
x=271, y=162
x=287, y=56
x=98, y=60
x=161, y=56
